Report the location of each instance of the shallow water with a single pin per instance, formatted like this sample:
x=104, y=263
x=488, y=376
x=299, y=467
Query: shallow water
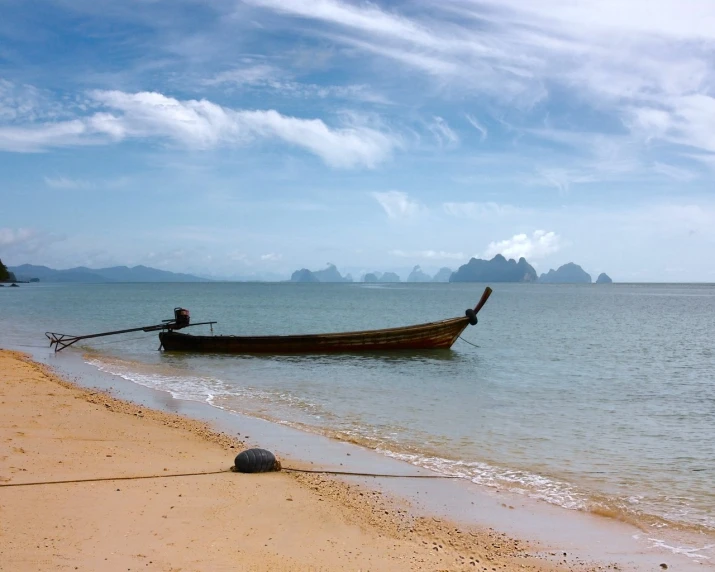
x=597, y=398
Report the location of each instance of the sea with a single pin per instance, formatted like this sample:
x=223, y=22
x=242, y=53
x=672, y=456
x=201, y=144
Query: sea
x=595, y=398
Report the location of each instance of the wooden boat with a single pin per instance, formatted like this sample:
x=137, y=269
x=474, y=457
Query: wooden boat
x=431, y=335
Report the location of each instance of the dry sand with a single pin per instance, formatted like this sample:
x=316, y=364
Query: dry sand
x=52, y=430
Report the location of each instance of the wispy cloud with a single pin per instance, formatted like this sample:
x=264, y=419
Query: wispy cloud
x=428, y=254
x=11, y=236
x=445, y=135
x=36, y=138
x=562, y=179
x=251, y=74
x=538, y=245
x=22, y=102
x=675, y=173
x=655, y=60
x=74, y=183
x=273, y=78
x=66, y=183
x=475, y=210
x=201, y=124
x=19, y=243
x=687, y=122
x=478, y=126
x=397, y=204
x=437, y=46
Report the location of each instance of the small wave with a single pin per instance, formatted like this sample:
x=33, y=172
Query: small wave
x=281, y=407
x=694, y=553
x=190, y=388
x=211, y=390
x=522, y=482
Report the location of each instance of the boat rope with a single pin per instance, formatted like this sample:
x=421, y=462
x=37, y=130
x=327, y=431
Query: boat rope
x=98, y=479
x=353, y=474
x=288, y=469
x=470, y=343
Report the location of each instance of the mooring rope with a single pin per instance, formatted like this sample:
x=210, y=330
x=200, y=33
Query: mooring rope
x=97, y=479
x=326, y=472
x=288, y=469
x=470, y=343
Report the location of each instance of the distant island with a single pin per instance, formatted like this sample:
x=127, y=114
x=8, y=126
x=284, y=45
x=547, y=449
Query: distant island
x=329, y=274
x=498, y=269
x=417, y=275
x=387, y=277
x=567, y=274
x=442, y=275
x=81, y=274
x=332, y=274
x=572, y=274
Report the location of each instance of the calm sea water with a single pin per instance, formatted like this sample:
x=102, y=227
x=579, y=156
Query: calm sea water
x=598, y=398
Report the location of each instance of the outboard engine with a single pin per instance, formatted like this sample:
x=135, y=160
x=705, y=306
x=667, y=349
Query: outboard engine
x=181, y=317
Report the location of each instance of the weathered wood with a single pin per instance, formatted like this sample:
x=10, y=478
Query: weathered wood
x=432, y=335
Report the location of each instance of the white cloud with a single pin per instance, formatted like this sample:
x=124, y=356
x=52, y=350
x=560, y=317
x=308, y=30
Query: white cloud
x=428, y=254
x=648, y=122
x=538, y=245
x=201, y=124
x=477, y=210
x=13, y=237
x=671, y=18
x=368, y=18
x=251, y=74
x=562, y=179
x=679, y=218
x=436, y=46
x=35, y=138
x=686, y=120
x=271, y=257
x=478, y=126
x=618, y=57
x=21, y=102
x=446, y=137
x=694, y=121
x=673, y=172
x=66, y=183
x=270, y=77
x=19, y=244
x=397, y=204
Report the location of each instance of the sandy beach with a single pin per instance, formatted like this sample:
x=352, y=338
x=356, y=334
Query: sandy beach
x=53, y=430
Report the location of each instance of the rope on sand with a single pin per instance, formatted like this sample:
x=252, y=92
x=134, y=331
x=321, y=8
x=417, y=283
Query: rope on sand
x=98, y=479
x=351, y=474
x=292, y=470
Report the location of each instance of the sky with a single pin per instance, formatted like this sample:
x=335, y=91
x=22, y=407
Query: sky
x=248, y=139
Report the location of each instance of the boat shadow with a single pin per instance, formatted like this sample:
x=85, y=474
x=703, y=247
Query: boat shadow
x=355, y=358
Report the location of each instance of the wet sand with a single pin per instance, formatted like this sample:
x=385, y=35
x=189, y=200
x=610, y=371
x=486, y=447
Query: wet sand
x=53, y=430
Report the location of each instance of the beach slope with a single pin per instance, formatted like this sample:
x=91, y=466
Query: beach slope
x=52, y=430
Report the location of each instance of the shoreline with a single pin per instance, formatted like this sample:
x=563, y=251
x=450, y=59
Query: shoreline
x=604, y=547
x=330, y=525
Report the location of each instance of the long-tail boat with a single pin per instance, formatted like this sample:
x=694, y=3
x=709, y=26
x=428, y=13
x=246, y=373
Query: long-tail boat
x=431, y=335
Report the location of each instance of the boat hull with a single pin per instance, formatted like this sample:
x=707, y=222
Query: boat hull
x=432, y=335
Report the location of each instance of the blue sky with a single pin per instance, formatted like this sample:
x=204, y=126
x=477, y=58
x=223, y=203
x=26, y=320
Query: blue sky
x=251, y=138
